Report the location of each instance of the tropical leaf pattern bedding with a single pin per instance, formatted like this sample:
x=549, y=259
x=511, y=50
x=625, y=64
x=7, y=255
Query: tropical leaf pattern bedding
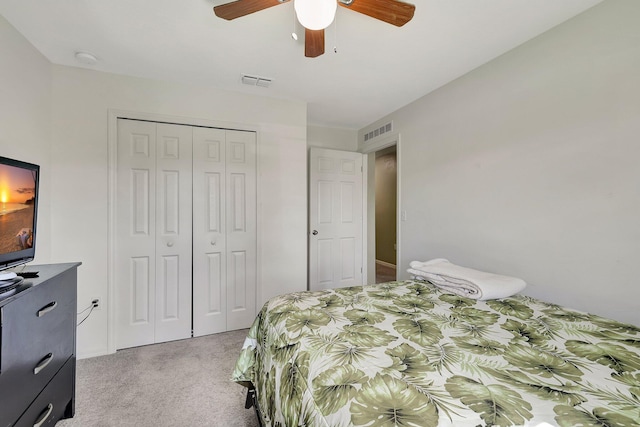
x=408, y=354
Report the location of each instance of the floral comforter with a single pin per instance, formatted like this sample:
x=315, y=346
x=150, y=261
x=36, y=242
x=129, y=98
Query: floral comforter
x=407, y=354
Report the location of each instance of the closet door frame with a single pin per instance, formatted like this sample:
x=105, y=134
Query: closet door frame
x=112, y=168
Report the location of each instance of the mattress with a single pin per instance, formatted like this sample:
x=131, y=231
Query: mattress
x=408, y=354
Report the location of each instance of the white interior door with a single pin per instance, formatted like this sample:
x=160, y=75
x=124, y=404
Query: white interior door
x=335, y=219
x=209, y=243
x=241, y=229
x=135, y=271
x=173, y=232
x=153, y=233
x=224, y=264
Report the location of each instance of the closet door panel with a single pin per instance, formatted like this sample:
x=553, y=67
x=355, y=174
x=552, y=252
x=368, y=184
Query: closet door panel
x=238, y=202
x=169, y=286
x=241, y=229
x=238, y=281
x=140, y=289
x=214, y=289
x=213, y=191
x=209, y=231
x=173, y=232
x=135, y=234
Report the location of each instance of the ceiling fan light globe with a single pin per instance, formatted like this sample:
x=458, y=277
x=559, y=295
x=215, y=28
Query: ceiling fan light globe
x=315, y=14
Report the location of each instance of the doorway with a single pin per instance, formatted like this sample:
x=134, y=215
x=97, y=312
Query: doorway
x=386, y=201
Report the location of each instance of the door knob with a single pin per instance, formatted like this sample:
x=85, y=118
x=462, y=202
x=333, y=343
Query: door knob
x=169, y=244
x=314, y=232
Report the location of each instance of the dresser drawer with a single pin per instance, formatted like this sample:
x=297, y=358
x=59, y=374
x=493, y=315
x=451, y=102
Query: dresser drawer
x=51, y=405
x=35, y=342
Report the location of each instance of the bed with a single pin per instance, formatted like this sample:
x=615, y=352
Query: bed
x=408, y=354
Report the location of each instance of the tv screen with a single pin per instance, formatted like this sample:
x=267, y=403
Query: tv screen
x=18, y=211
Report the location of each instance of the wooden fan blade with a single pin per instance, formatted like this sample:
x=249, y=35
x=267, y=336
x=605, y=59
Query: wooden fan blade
x=313, y=43
x=392, y=11
x=239, y=8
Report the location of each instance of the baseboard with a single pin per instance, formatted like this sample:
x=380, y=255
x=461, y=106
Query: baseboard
x=385, y=264
x=91, y=354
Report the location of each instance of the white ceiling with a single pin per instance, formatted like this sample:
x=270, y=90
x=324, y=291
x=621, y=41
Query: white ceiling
x=377, y=69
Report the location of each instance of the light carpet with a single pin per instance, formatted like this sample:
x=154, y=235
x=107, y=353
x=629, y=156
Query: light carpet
x=179, y=384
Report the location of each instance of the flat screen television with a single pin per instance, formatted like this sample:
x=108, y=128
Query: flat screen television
x=18, y=212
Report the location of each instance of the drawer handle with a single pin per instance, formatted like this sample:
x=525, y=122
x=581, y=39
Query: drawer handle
x=47, y=308
x=45, y=415
x=43, y=363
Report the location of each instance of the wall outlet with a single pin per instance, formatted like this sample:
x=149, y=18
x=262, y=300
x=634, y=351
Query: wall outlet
x=97, y=303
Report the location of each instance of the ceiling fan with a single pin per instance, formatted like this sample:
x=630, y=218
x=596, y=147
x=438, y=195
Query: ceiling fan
x=391, y=11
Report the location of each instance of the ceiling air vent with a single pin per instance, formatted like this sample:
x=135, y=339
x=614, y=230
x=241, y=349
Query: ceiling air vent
x=256, y=80
x=377, y=132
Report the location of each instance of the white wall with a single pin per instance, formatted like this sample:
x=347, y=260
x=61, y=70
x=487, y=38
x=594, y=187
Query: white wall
x=332, y=138
x=82, y=100
x=528, y=165
x=25, y=118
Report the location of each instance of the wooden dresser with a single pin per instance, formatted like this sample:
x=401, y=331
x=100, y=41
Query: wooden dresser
x=37, y=348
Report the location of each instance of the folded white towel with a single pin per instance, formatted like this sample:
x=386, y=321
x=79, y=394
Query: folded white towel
x=465, y=281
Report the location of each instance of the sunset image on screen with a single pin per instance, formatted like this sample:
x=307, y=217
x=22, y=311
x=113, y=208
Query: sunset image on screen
x=17, y=208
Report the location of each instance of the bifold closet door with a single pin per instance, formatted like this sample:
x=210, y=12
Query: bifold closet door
x=153, y=233
x=224, y=230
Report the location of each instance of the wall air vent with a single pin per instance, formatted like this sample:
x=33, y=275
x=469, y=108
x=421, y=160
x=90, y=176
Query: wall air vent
x=256, y=80
x=377, y=132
